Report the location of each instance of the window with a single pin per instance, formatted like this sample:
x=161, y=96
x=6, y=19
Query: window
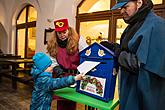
x=94, y=31
x=26, y=32
x=94, y=19
x=90, y=6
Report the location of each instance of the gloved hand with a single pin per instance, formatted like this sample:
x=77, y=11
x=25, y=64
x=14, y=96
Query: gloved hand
x=108, y=45
x=58, y=71
x=115, y=47
x=128, y=61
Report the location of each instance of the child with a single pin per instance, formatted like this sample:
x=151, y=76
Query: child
x=44, y=84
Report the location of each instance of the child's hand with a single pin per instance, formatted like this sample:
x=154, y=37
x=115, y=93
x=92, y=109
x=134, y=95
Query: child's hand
x=79, y=77
x=49, y=69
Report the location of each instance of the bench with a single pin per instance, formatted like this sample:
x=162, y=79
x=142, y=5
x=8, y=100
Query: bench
x=27, y=79
x=14, y=71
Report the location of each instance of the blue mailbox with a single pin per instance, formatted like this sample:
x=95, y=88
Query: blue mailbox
x=100, y=81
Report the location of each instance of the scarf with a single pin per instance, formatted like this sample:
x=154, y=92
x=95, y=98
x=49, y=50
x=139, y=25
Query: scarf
x=62, y=43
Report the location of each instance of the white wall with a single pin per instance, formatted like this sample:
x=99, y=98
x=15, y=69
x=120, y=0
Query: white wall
x=3, y=34
x=46, y=9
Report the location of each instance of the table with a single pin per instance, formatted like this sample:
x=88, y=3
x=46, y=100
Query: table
x=71, y=94
x=14, y=64
x=9, y=56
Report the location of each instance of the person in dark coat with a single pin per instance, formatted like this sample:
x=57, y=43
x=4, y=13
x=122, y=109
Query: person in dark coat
x=44, y=84
x=141, y=57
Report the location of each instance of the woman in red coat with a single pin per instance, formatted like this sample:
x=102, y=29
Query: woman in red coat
x=63, y=48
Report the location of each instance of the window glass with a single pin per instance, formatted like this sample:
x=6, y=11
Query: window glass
x=120, y=26
x=89, y=6
x=26, y=34
x=32, y=16
x=21, y=42
x=157, y=2
x=94, y=31
x=22, y=17
x=31, y=42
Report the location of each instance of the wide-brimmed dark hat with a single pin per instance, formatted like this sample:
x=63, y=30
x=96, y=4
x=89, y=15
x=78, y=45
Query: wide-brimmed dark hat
x=119, y=4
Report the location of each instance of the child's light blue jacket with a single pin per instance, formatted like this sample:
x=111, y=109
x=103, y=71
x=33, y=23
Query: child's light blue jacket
x=44, y=85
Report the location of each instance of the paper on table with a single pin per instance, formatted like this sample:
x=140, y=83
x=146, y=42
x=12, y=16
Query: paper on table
x=86, y=66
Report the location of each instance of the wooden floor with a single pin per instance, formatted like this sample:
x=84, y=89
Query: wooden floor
x=14, y=99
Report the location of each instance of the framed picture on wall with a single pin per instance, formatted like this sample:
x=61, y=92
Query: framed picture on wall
x=47, y=35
